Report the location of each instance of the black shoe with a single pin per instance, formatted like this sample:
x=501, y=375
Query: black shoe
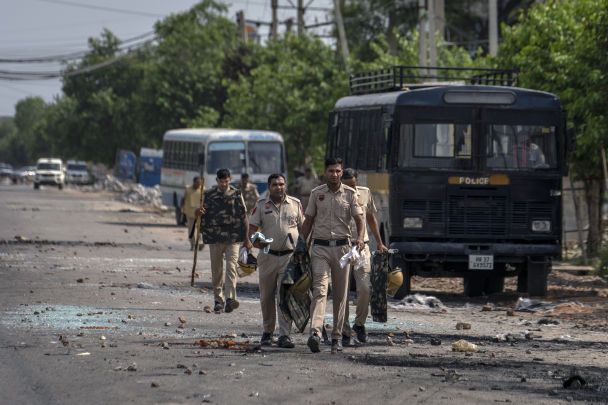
x=285, y=342
x=231, y=305
x=325, y=336
x=266, y=339
x=336, y=346
x=361, y=334
x=314, y=342
x=218, y=307
x=345, y=340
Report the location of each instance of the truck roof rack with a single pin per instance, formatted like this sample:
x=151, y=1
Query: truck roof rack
x=397, y=78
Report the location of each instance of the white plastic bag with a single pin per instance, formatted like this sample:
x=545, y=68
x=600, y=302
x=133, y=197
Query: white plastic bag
x=353, y=256
x=243, y=255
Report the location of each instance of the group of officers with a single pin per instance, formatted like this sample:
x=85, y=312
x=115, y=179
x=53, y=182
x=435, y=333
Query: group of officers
x=333, y=221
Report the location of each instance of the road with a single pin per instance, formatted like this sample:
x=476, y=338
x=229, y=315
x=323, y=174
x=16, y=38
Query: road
x=92, y=291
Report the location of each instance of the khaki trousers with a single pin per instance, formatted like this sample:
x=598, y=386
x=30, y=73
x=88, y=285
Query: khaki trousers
x=325, y=264
x=218, y=251
x=364, y=289
x=270, y=271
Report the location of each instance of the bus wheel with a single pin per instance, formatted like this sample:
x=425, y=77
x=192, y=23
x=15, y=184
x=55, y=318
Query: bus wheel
x=406, y=287
x=494, y=284
x=537, y=279
x=474, y=285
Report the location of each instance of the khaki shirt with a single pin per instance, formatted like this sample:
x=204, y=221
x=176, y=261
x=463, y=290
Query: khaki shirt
x=250, y=195
x=279, y=221
x=366, y=202
x=333, y=212
x=192, y=200
x=305, y=185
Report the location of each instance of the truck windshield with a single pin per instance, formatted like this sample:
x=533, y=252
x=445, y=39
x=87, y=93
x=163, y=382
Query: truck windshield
x=435, y=145
x=77, y=167
x=226, y=155
x=265, y=157
x=521, y=147
x=49, y=166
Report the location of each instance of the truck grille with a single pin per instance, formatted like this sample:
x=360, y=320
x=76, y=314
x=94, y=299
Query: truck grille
x=477, y=215
x=524, y=212
x=431, y=211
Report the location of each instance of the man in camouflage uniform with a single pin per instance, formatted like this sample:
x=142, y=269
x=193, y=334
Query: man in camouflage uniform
x=279, y=217
x=330, y=210
x=362, y=274
x=224, y=228
x=249, y=192
x=304, y=185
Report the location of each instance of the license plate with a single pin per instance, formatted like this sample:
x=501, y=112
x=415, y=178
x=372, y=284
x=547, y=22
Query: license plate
x=481, y=262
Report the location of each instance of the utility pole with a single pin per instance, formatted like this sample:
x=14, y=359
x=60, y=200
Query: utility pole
x=341, y=34
x=240, y=19
x=422, y=35
x=301, y=10
x=493, y=26
x=274, y=24
x=440, y=18
x=432, y=39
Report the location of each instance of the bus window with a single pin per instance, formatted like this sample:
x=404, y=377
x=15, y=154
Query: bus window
x=226, y=155
x=265, y=157
x=435, y=145
x=521, y=147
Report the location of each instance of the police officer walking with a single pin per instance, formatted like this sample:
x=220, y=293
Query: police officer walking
x=224, y=228
x=279, y=217
x=304, y=186
x=362, y=274
x=331, y=208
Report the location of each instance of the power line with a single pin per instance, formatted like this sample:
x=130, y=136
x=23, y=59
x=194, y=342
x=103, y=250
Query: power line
x=102, y=8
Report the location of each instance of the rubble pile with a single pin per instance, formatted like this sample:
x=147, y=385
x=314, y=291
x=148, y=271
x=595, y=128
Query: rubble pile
x=135, y=193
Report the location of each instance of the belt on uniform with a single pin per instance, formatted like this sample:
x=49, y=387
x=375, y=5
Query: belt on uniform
x=333, y=242
x=279, y=252
x=354, y=241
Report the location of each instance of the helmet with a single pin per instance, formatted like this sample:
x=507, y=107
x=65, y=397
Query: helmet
x=394, y=281
x=249, y=267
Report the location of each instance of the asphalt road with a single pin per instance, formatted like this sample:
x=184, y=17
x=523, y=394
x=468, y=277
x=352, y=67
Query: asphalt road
x=92, y=291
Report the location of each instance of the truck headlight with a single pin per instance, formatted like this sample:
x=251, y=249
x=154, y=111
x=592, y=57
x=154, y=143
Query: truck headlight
x=541, y=226
x=412, y=222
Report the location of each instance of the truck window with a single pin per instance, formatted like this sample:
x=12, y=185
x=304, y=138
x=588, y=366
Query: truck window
x=435, y=145
x=521, y=147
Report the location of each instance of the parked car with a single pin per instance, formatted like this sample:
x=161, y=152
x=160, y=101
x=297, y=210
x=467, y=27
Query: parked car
x=6, y=171
x=26, y=174
x=49, y=171
x=77, y=172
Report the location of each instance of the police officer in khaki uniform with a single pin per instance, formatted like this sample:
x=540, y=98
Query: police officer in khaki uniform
x=190, y=203
x=305, y=184
x=249, y=192
x=224, y=227
x=362, y=274
x=330, y=210
x=279, y=217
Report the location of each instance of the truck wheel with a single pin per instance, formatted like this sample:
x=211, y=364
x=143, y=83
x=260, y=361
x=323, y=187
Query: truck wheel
x=494, y=284
x=406, y=287
x=474, y=285
x=537, y=279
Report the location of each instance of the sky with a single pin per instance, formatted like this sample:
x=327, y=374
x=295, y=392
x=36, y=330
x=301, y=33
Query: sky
x=38, y=28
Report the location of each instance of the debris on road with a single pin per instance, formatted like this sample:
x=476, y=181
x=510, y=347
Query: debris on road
x=487, y=308
x=463, y=326
x=529, y=305
x=225, y=344
x=574, y=382
x=145, y=286
x=418, y=302
x=548, y=321
x=464, y=346
x=134, y=193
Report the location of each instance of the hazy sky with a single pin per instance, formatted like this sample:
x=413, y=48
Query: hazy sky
x=37, y=28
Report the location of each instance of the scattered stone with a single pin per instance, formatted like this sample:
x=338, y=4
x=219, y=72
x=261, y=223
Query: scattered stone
x=179, y=331
x=254, y=394
x=421, y=389
x=523, y=379
x=435, y=341
x=154, y=385
x=244, y=335
x=231, y=364
x=487, y=308
x=80, y=280
x=103, y=345
x=548, y=321
x=574, y=382
x=207, y=309
x=510, y=312
x=231, y=335
x=389, y=341
x=145, y=286
x=102, y=337
x=464, y=346
x=20, y=238
x=463, y=326
x=167, y=323
x=132, y=367
x=165, y=345
x=202, y=372
x=188, y=371
x=181, y=319
x=181, y=366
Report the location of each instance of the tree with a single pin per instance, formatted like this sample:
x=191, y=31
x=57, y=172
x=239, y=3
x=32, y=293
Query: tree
x=292, y=89
x=29, y=113
x=560, y=47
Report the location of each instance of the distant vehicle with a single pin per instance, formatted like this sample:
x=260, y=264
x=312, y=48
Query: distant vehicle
x=202, y=152
x=25, y=174
x=77, y=172
x=125, y=165
x=6, y=171
x=150, y=161
x=49, y=171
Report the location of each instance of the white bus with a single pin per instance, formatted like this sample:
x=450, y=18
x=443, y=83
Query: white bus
x=202, y=152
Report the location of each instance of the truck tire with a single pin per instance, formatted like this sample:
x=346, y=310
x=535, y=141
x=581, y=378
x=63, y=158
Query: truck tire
x=537, y=279
x=494, y=284
x=474, y=285
x=406, y=287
